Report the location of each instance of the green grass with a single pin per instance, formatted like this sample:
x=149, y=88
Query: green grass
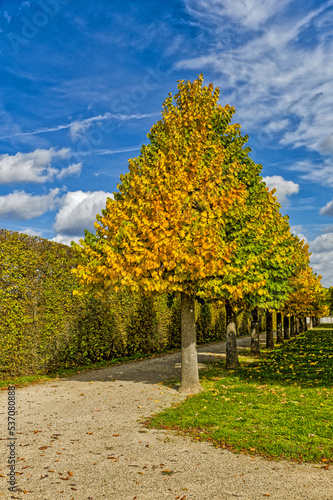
x=306, y=360
x=278, y=407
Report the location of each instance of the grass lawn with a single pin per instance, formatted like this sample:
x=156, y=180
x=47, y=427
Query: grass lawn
x=279, y=406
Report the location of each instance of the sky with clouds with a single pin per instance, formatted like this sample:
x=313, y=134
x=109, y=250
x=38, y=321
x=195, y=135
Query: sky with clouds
x=81, y=84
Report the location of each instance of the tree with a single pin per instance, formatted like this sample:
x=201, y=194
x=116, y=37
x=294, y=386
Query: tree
x=329, y=299
x=165, y=230
x=308, y=297
x=266, y=251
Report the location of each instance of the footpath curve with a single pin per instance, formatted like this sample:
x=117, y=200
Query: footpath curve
x=81, y=438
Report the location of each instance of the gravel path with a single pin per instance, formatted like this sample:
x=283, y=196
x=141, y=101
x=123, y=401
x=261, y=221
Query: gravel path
x=81, y=438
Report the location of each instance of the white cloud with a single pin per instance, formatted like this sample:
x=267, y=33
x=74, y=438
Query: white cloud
x=66, y=240
x=327, y=209
x=318, y=172
x=38, y=131
x=32, y=232
x=272, y=77
x=298, y=230
x=322, y=257
x=78, y=128
x=31, y=167
x=101, y=152
x=283, y=188
x=250, y=13
x=74, y=169
x=24, y=206
x=78, y=212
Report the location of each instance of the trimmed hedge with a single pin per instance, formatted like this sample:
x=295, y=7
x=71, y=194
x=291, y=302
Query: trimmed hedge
x=43, y=326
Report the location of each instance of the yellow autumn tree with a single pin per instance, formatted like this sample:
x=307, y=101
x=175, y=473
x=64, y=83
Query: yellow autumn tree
x=308, y=298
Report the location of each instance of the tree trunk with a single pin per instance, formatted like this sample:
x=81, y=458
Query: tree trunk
x=274, y=325
x=255, y=339
x=269, y=330
x=296, y=325
x=279, y=334
x=286, y=327
x=301, y=324
x=190, y=373
x=311, y=323
x=232, y=361
x=305, y=326
x=292, y=326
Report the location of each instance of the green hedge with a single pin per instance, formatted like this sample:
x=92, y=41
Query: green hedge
x=43, y=326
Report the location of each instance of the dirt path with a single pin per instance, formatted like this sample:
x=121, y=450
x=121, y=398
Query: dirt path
x=81, y=438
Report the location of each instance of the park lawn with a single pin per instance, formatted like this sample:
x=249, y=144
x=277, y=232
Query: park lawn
x=279, y=406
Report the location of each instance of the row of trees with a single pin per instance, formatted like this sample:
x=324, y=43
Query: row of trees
x=193, y=216
x=44, y=328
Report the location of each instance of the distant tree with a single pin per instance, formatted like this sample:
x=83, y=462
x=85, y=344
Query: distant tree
x=308, y=298
x=329, y=299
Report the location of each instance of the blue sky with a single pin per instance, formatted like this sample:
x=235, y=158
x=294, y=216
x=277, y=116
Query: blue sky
x=81, y=84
